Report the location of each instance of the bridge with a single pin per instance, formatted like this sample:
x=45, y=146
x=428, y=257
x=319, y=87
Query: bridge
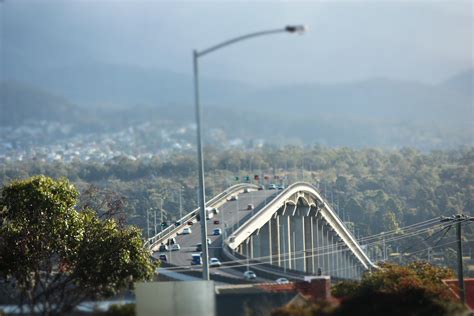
x=288, y=233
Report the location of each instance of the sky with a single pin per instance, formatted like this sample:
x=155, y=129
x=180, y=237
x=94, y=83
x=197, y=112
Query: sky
x=426, y=41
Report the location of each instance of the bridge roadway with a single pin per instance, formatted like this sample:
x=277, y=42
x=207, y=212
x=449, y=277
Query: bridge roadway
x=231, y=215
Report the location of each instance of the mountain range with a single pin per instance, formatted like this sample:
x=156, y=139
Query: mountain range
x=375, y=109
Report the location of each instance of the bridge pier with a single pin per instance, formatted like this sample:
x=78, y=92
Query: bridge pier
x=250, y=246
x=275, y=241
x=263, y=247
x=308, y=243
x=285, y=241
x=298, y=236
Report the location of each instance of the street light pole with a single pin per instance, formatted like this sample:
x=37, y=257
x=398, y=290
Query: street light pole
x=202, y=191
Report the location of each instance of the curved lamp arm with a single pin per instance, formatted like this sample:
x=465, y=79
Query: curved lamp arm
x=290, y=29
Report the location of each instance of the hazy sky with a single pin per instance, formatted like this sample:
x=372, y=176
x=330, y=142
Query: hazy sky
x=348, y=40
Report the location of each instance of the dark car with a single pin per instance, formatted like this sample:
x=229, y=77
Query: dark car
x=163, y=258
x=171, y=241
x=163, y=248
x=216, y=222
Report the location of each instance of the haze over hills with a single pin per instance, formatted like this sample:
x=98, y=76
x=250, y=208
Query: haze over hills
x=378, y=111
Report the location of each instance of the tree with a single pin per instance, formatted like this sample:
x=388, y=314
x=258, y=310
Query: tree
x=393, y=278
x=415, y=289
x=53, y=257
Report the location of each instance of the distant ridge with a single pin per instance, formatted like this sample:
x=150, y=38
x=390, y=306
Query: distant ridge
x=462, y=82
x=20, y=102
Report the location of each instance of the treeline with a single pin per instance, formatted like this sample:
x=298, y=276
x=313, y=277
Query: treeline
x=377, y=190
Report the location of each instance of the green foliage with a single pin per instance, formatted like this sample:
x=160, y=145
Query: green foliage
x=406, y=301
x=321, y=308
x=57, y=257
x=415, y=289
x=121, y=310
x=392, y=278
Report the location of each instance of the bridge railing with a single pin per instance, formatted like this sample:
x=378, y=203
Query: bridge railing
x=172, y=229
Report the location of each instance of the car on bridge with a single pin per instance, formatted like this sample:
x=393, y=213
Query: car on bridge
x=196, y=259
x=163, y=258
x=215, y=262
x=175, y=247
x=171, y=241
x=190, y=223
x=187, y=231
x=250, y=275
x=163, y=248
x=217, y=232
x=282, y=281
x=210, y=211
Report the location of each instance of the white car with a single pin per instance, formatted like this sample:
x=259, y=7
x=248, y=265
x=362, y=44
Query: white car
x=282, y=281
x=250, y=275
x=233, y=198
x=214, y=262
x=187, y=231
x=175, y=247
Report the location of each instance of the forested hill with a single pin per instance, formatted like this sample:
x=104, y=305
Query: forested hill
x=20, y=102
x=377, y=190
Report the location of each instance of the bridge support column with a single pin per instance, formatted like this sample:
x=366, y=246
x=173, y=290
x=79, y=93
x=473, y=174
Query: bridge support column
x=314, y=244
x=250, y=246
x=245, y=248
x=264, y=247
x=333, y=255
x=338, y=257
x=275, y=240
x=327, y=250
x=285, y=241
x=297, y=236
x=256, y=245
x=317, y=247
x=322, y=249
x=308, y=243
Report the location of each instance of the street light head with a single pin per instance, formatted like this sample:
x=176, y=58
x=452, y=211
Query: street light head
x=300, y=29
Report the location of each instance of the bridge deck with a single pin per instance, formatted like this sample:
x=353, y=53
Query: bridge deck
x=231, y=215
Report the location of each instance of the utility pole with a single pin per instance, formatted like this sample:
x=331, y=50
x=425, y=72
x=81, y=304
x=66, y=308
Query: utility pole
x=148, y=224
x=154, y=221
x=459, y=219
x=161, y=210
x=180, y=202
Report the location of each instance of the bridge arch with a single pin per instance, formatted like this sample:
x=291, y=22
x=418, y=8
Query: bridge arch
x=298, y=230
